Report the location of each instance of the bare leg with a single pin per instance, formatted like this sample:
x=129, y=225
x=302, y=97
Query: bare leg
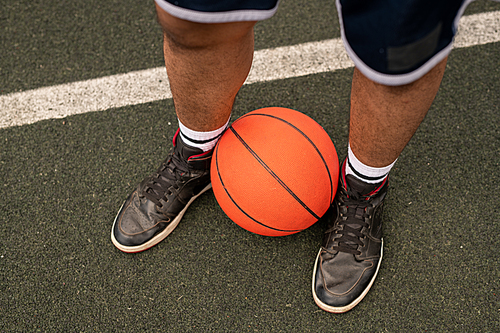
x=206, y=64
x=384, y=119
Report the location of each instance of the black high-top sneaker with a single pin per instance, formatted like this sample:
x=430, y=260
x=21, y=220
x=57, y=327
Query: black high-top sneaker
x=155, y=208
x=351, y=253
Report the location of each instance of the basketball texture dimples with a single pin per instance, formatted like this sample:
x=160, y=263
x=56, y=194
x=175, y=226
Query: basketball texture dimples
x=274, y=171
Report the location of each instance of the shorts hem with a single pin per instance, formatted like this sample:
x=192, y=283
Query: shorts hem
x=217, y=17
x=397, y=79
x=404, y=78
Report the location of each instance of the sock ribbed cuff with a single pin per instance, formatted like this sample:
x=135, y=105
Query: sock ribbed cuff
x=364, y=172
x=202, y=140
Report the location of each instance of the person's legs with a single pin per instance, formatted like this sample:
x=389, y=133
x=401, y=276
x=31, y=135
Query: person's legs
x=384, y=118
x=400, y=55
x=206, y=64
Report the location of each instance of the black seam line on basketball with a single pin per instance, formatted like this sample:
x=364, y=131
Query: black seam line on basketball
x=308, y=139
x=360, y=175
x=271, y=172
x=234, y=202
x=200, y=141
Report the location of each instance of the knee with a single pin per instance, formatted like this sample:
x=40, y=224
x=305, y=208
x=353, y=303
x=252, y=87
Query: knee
x=192, y=35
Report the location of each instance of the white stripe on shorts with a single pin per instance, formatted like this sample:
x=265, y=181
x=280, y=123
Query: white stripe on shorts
x=217, y=17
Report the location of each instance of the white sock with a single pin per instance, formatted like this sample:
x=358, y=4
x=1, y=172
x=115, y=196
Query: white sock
x=203, y=140
x=364, y=172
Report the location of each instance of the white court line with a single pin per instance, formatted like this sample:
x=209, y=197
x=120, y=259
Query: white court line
x=152, y=84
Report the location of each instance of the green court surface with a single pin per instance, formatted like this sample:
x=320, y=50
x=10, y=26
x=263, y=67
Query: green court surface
x=63, y=180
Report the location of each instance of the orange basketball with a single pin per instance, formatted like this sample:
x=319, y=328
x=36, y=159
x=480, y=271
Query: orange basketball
x=275, y=171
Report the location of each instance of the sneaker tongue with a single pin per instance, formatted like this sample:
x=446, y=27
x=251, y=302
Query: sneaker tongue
x=191, y=157
x=358, y=187
x=186, y=151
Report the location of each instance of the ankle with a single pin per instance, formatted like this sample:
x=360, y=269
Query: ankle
x=202, y=140
x=372, y=175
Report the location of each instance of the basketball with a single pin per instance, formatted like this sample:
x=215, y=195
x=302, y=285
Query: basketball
x=274, y=171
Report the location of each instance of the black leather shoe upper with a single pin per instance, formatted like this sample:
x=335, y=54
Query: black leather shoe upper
x=162, y=196
x=352, y=246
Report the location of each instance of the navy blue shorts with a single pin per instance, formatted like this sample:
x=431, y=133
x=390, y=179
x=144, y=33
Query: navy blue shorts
x=220, y=11
x=397, y=42
x=393, y=42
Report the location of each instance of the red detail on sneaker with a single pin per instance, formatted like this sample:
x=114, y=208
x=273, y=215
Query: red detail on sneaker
x=199, y=155
x=378, y=188
x=175, y=135
x=342, y=173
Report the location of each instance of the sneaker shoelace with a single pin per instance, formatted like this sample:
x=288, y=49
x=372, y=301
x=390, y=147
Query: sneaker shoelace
x=167, y=178
x=352, y=219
